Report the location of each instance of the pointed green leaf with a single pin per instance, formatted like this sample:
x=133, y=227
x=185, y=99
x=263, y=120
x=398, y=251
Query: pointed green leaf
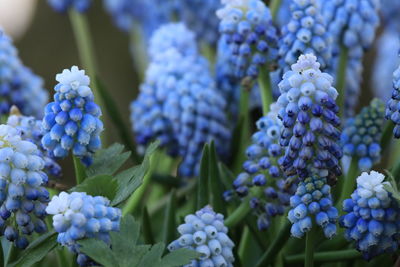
x=153, y=255
x=99, y=251
x=131, y=179
x=108, y=160
x=146, y=224
x=202, y=184
x=101, y=185
x=215, y=186
x=36, y=251
x=226, y=176
x=178, y=257
x=169, y=219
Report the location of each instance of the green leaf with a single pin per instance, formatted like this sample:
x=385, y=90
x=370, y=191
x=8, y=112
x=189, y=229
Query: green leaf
x=99, y=252
x=108, y=160
x=169, y=219
x=36, y=251
x=152, y=255
x=214, y=181
x=131, y=179
x=101, y=185
x=202, y=184
x=226, y=176
x=178, y=257
x=147, y=230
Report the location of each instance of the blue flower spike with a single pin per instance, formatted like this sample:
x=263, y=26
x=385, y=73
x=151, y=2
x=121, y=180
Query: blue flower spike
x=312, y=204
x=72, y=121
x=393, y=107
x=63, y=6
x=31, y=130
x=309, y=115
x=23, y=197
x=362, y=134
x=77, y=216
x=246, y=25
x=206, y=233
x=373, y=215
x=261, y=170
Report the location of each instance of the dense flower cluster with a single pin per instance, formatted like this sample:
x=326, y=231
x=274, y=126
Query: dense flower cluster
x=179, y=105
x=31, y=130
x=309, y=115
x=206, y=233
x=393, y=107
x=200, y=17
x=390, y=11
x=23, y=197
x=353, y=24
x=372, y=219
x=72, y=121
x=78, y=215
x=64, y=5
x=362, y=134
x=305, y=33
x=18, y=85
x=262, y=170
x=313, y=197
x=247, y=27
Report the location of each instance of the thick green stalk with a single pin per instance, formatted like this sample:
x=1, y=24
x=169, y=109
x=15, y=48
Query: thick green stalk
x=137, y=196
x=341, y=78
x=387, y=135
x=274, y=7
x=329, y=256
x=264, y=82
x=241, y=212
x=80, y=173
x=349, y=182
x=244, y=245
x=310, y=246
x=283, y=235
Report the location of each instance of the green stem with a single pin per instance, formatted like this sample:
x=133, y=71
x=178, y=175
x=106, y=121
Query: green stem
x=310, y=245
x=349, y=182
x=138, y=50
x=283, y=235
x=396, y=171
x=61, y=257
x=137, y=196
x=274, y=7
x=80, y=173
x=341, y=78
x=329, y=256
x=241, y=212
x=264, y=82
x=387, y=135
x=244, y=245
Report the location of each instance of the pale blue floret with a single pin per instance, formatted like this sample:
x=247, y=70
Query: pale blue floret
x=309, y=115
x=72, y=121
x=206, y=233
x=19, y=86
x=78, y=215
x=372, y=219
x=362, y=134
x=312, y=202
x=23, y=196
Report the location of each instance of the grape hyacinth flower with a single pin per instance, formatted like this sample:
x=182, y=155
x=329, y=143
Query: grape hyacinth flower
x=247, y=27
x=18, y=84
x=352, y=24
x=77, y=216
x=63, y=6
x=362, y=134
x=390, y=12
x=305, y=33
x=206, y=233
x=313, y=203
x=31, y=130
x=23, y=197
x=393, y=107
x=372, y=219
x=309, y=115
x=200, y=16
x=72, y=121
x=261, y=170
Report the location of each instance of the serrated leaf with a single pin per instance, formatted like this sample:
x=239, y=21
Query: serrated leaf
x=36, y=251
x=99, y=251
x=178, y=257
x=108, y=160
x=101, y=185
x=202, y=182
x=131, y=179
x=153, y=255
x=214, y=181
